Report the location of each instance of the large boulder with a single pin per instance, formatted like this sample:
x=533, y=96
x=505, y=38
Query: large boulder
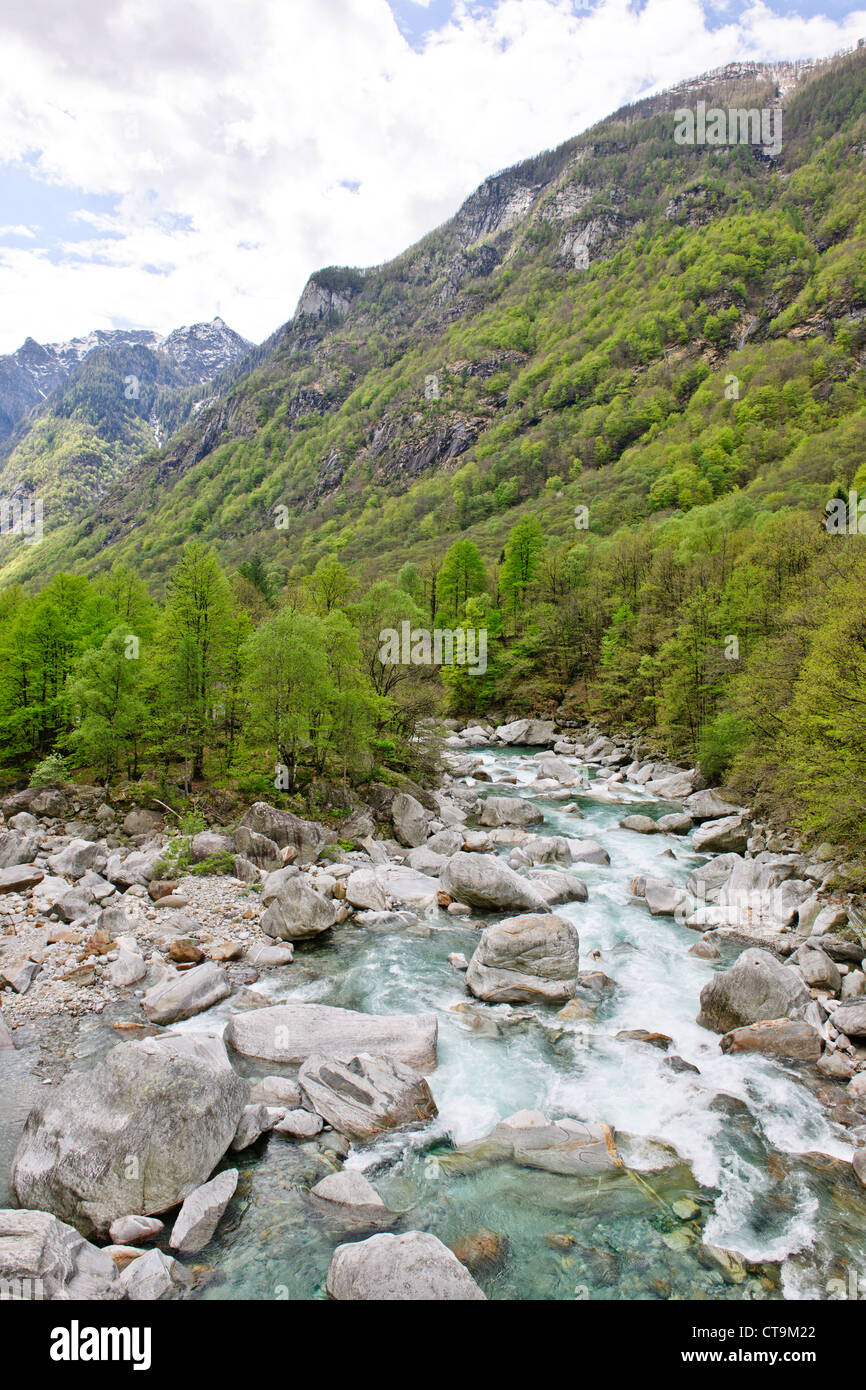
x=413, y=1267
x=483, y=880
x=141, y=822
x=43, y=1258
x=526, y=960
x=729, y=835
x=258, y=849
x=154, y=1278
x=138, y=1132
x=789, y=1038
x=17, y=847
x=709, y=805
x=642, y=825
x=757, y=986
x=513, y=732
x=298, y=912
x=551, y=766
x=546, y=849
x=181, y=996
x=675, y=787
x=19, y=877
x=664, y=899
x=850, y=1019
x=77, y=857
x=289, y=1033
x=509, y=810
x=307, y=836
x=817, y=969
x=136, y=868
x=557, y=887
x=364, y=890
x=208, y=843
x=366, y=1095
x=588, y=852
x=410, y=820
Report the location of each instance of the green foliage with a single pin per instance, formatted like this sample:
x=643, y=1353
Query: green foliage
x=52, y=771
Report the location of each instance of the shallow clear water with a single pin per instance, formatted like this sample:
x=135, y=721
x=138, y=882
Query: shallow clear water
x=732, y=1137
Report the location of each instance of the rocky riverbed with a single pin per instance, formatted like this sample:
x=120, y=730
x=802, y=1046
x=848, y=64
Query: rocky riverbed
x=569, y=1025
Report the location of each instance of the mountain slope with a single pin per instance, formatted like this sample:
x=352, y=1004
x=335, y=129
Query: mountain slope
x=77, y=415
x=564, y=340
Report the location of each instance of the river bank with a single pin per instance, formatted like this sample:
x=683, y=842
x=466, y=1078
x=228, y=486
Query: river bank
x=543, y=935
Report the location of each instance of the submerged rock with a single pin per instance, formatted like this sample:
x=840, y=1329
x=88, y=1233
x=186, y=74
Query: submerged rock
x=565, y=1146
x=482, y=1250
x=350, y=1200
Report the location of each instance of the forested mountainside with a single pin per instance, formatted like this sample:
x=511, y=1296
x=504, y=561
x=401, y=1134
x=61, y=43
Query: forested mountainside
x=599, y=413
x=74, y=417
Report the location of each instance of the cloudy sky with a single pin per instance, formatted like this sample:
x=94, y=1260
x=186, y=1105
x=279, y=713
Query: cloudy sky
x=168, y=160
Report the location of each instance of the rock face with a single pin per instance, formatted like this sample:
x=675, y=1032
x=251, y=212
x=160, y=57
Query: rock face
x=298, y=912
x=182, y=996
x=307, y=836
x=482, y=880
x=525, y=960
x=410, y=820
x=399, y=1269
x=776, y=1037
x=43, y=1258
x=366, y=1095
x=202, y=1212
x=138, y=1133
x=290, y=1033
x=756, y=987
x=509, y=810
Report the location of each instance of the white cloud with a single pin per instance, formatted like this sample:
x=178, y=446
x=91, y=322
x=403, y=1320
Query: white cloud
x=228, y=133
